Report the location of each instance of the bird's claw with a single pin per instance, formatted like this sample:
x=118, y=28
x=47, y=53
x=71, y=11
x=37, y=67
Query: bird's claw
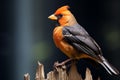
x=57, y=65
x=62, y=64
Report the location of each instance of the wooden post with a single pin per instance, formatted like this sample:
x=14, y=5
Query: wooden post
x=73, y=73
x=88, y=75
x=60, y=73
x=40, y=72
x=26, y=76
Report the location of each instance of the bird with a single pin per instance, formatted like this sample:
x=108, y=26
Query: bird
x=75, y=42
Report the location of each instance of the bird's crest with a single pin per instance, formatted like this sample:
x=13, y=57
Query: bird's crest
x=61, y=9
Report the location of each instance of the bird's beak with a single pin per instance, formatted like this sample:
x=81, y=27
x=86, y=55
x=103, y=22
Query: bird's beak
x=52, y=17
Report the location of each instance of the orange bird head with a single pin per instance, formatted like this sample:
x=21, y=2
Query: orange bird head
x=63, y=16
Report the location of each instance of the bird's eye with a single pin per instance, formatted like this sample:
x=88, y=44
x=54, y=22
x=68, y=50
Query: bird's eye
x=59, y=16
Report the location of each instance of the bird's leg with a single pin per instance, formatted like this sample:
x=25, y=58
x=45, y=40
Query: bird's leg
x=56, y=64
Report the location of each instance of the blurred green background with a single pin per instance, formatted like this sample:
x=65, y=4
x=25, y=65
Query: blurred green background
x=26, y=34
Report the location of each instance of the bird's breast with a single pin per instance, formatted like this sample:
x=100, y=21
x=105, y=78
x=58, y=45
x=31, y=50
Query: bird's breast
x=58, y=36
x=61, y=44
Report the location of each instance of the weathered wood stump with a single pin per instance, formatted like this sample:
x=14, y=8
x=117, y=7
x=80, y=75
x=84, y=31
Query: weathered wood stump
x=59, y=73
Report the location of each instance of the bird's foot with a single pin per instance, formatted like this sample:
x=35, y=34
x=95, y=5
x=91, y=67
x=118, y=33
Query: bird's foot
x=62, y=64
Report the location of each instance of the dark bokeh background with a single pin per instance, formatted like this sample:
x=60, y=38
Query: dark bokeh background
x=26, y=35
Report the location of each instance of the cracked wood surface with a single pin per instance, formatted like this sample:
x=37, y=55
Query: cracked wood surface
x=60, y=73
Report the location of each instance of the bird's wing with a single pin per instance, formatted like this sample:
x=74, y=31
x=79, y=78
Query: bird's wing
x=78, y=37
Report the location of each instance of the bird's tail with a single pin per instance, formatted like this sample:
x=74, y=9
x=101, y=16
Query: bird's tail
x=110, y=69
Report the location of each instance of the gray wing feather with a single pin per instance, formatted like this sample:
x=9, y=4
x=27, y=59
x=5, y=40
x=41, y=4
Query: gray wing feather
x=80, y=39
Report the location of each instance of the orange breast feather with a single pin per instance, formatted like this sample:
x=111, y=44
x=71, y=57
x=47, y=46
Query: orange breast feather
x=61, y=44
